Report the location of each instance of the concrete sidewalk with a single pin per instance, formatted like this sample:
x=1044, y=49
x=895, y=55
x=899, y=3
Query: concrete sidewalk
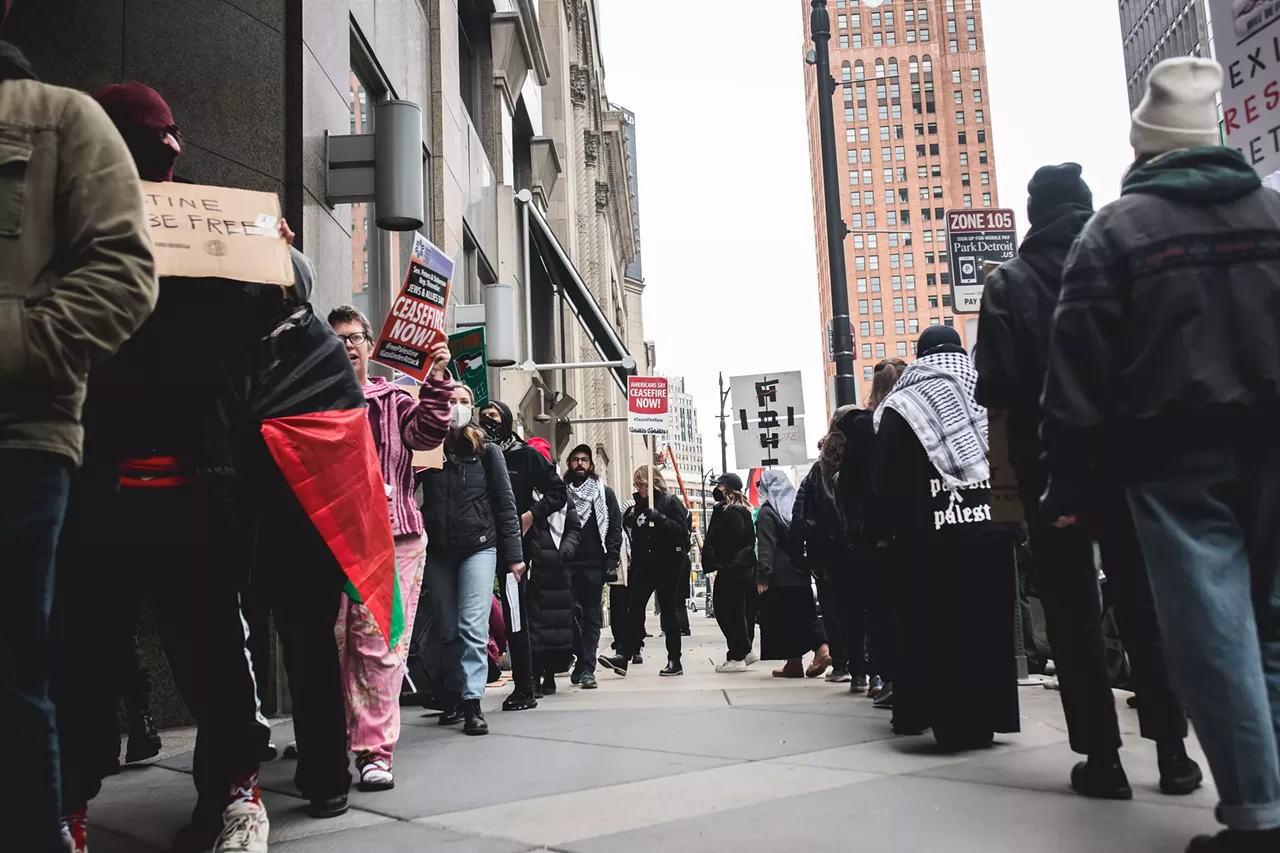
x=737, y=762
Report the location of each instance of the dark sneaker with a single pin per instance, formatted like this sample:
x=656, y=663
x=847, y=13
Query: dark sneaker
x=328, y=807
x=1236, y=842
x=860, y=684
x=637, y=660
x=588, y=681
x=673, y=667
x=144, y=740
x=549, y=685
x=519, y=701
x=875, y=686
x=1101, y=779
x=1180, y=776
x=576, y=677
x=537, y=690
x=617, y=663
x=885, y=700
x=451, y=715
x=474, y=724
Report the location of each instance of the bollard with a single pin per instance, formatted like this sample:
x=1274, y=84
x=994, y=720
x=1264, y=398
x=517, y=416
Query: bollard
x=1019, y=647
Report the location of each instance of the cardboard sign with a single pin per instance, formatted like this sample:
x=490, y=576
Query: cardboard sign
x=973, y=238
x=416, y=321
x=470, y=365
x=216, y=232
x=647, y=405
x=1247, y=45
x=768, y=420
x=1005, y=503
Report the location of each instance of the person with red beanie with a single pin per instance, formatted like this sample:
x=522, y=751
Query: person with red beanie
x=78, y=279
x=154, y=519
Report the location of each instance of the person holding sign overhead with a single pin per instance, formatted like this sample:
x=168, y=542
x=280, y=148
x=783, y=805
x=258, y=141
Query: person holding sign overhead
x=371, y=670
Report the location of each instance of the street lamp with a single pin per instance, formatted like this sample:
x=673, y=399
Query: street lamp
x=846, y=389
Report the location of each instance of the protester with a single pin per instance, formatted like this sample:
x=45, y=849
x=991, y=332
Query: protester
x=821, y=546
x=1013, y=340
x=530, y=471
x=595, y=563
x=1164, y=372
x=729, y=552
x=930, y=498
x=549, y=547
x=789, y=626
x=470, y=517
x=875, y=570
x=372, y=670
x=658, y=525
x=79, y=212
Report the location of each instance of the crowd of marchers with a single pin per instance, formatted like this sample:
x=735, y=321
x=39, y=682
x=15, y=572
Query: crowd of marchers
x=1135, y=352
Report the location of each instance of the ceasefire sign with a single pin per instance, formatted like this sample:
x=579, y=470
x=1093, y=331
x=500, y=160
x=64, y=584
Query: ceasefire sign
x=973, y=238
x=647, y=405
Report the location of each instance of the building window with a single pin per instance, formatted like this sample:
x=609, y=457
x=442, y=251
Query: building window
x=955, y=76
x=964, y=179
x=960, y=117
x=900, y=327
x=968, y=200
x=970, y=24
x=866, y=350
x=986, y=177
x=982, y=136
x=864, y=328
x=897, y=307
x=902, y=348
x=986, y=199
x=976, y=75
x=953, y=45
x=982, y=157
x=911, y=285
x=946, y=300
x=979, y=116
x=977, y=96
x=879, y=327
x=891, y=218
x=973, y=44
x=962, y=138
x=879, y=350
x=875, y=284
x=855, y=219
x=876, y=306
x=862, y=306
x=913, y=326
x=871, y=220
x=924, y=32
x=911, y=303
x=866, y=373
x=862, y=285
x=958, y=96
x=875, y=262
x=950, y=321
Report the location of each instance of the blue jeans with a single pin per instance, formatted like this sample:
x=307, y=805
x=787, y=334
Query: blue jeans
x=461, y=593
x=33, y=500
x=1210, y=530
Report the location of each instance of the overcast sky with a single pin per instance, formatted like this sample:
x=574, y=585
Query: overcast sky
x=725, y=201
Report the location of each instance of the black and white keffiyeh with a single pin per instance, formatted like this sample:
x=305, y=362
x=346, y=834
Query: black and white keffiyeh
x=935, y=396
x=588, y=500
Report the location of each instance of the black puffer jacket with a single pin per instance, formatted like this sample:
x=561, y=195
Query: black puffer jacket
x=550, y=589
x=730, y=545
x=1012, y=351
x=659, y=545
x=467, y=506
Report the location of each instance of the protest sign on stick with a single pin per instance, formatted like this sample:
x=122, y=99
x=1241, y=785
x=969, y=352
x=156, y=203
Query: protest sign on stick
x=416, y=321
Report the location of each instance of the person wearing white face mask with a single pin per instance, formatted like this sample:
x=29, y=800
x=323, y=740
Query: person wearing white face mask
x=371, y=671
x=470, y=516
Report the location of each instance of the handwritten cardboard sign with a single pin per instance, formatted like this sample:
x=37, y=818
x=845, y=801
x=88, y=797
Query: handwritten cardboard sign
x=216, y=232
x=416, y=321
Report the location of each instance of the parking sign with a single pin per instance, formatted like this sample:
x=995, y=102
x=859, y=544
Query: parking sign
x=975, y=237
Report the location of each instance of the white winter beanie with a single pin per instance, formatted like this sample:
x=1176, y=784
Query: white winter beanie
x=1178, y=110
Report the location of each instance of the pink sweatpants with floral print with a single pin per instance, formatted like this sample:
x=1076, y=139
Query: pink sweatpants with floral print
x=371, y=674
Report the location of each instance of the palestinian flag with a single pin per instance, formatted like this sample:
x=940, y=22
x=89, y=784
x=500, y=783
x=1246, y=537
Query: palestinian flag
x=313, y=419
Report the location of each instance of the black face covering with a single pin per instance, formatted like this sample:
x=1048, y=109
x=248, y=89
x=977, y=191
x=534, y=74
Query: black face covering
x=718, y=494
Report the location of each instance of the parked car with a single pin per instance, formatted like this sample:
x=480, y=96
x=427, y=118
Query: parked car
x=698, y=601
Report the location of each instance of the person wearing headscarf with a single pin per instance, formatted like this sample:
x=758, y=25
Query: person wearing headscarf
x=729, y=551
x=1011, y=357
x=596, y=561
x=930, y=500
x=789, y=626
x=78, y=278
x=658, y=526
x=539, y=492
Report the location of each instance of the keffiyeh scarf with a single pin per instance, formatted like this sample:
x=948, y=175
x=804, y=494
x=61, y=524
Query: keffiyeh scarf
x=777, y=491
x=588, y=500
x=935, y=396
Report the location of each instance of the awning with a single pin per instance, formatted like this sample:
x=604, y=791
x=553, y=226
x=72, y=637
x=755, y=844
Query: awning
x=547, y=255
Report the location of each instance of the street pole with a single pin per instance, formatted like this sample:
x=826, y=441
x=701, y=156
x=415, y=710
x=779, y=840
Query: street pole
x=724, y=442
x=841, y=329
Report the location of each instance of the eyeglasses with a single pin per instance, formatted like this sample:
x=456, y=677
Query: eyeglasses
x=356, y=338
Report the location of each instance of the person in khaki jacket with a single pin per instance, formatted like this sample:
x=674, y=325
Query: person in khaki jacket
x=77, y=278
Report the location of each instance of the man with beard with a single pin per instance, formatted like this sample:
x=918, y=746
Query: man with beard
x=1011, y=359
x=596, y=561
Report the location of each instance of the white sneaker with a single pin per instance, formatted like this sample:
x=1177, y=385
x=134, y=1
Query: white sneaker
x=752, y=657
x=244, y=829
x=732, y=666
x=376, y=775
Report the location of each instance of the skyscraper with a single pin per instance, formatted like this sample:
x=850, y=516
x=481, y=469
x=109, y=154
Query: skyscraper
x=913, y=125
x=1156, y=31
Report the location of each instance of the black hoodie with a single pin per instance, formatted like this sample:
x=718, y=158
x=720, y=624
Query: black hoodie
x=529, y=470
x=1011, y=353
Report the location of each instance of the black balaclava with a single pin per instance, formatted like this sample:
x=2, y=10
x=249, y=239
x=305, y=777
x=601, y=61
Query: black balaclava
x=939, y=339
x=500, y=433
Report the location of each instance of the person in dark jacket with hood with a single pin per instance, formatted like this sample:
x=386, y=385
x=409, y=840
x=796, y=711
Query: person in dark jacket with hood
x=658, y=526
x=550, y=547
x=530, y=473
x=789, y=625
x=930, y=499
x=729, y=551
x=470, y=517
x=595, y=563
x=1011, y=356
x=1164, y=371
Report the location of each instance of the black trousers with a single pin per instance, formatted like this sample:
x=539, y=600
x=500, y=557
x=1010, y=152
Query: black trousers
x=642, y=585
x=588, y=615
x=518, y=641
x=619, y=606
x=1068, y=583
x=844, y=612
x=302, y=583
x=730, y=595
x=175, y=549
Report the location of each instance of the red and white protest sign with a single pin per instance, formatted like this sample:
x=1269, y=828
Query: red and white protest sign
x=1247, y=45
x=648, y=403
x=416, y=321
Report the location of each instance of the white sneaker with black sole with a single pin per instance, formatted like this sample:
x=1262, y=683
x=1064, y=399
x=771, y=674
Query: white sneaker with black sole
x=245, y=829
